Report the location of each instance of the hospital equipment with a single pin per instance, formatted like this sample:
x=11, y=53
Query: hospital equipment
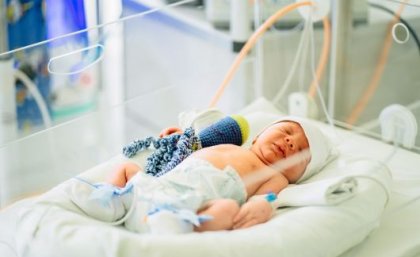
x=91, y=145
x=218, y=12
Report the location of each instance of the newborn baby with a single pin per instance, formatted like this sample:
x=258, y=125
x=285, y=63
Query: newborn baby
x=218, y=181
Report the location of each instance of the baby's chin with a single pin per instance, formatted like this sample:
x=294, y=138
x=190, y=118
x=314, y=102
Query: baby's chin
x=271, y=157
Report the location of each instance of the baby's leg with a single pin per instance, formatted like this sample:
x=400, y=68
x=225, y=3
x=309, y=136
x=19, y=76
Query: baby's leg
x=99, y=201
x=223, y=211
x=123, y=173
x=92, y=202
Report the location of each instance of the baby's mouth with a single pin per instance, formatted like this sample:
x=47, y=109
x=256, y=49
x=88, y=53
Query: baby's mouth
x=280, y=150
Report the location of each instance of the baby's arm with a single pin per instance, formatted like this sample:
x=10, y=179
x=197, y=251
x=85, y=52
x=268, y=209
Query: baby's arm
x=274, y=185
x=258, y=209
x=123, y=173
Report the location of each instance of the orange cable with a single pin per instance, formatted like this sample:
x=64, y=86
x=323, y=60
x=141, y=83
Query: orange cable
x=323, y=58
x=250, y=43
x=374, y=82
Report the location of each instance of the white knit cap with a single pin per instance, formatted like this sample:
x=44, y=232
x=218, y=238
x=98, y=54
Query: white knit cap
x=320, y=146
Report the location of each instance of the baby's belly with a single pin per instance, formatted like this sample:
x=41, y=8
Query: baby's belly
x=220, y=159
x=243, y=165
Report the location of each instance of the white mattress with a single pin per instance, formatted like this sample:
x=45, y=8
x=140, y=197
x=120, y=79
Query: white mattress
x=399, y=230
x=48, y=231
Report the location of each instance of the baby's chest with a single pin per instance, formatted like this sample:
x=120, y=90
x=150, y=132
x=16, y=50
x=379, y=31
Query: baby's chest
x=243, y=162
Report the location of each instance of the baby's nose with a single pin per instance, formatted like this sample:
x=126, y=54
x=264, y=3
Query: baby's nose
x=289, y=143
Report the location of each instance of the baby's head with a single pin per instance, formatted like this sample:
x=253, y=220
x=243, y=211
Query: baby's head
x=288, y=136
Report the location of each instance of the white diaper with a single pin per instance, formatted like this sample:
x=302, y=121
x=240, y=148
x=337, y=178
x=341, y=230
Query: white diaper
x=188, y=186
x=184, y=190
x=202, y=177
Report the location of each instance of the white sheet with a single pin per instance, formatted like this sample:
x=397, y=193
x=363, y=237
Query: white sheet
x=323, y=192
x=47, y=228
x=54, y=225
x=399, y=231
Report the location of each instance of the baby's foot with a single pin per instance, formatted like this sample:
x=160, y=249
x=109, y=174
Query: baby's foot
x=168, y=222
x=100, y=201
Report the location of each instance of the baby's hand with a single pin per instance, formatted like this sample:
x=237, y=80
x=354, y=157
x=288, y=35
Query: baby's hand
x=252, y=213
x=170, y=131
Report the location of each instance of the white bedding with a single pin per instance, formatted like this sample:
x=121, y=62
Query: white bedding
x=399, y=231
x=47, y=228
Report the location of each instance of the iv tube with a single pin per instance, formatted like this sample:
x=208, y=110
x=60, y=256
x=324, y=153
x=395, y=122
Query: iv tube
x=323, y=59
x=374, y=82
x=250, y=43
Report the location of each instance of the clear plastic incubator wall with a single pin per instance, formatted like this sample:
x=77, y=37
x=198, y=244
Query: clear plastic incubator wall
x=74, y=95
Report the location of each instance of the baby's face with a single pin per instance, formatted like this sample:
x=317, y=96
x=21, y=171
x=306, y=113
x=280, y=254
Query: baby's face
x=279, y=141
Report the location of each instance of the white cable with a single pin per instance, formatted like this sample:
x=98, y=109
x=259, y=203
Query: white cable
x=333, y=59
x=259, y=60
x=314, y=78
x=377, y=181
x=385, y=215
x=37, y=96
x=304, y=56
x=291, y=73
